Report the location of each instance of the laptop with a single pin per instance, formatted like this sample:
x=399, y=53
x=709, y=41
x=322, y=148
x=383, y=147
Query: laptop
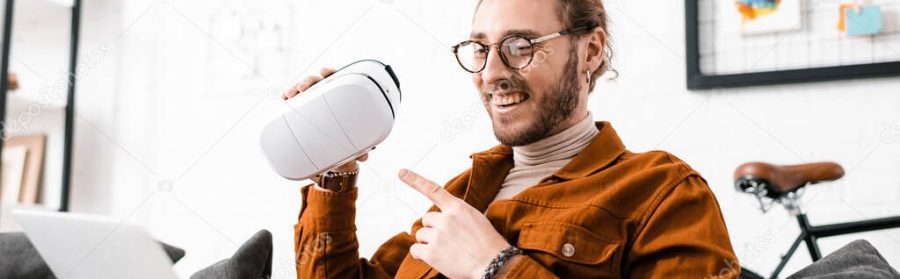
x=81, y=246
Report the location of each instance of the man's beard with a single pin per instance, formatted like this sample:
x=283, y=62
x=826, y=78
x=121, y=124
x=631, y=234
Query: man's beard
x=557, y=104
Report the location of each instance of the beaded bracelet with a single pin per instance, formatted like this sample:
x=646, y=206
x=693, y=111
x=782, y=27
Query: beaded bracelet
x=499, y=261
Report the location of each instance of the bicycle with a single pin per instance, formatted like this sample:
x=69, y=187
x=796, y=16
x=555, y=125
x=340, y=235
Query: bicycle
x=784, y=184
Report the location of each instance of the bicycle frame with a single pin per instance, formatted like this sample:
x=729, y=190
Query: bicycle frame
x=810, y=234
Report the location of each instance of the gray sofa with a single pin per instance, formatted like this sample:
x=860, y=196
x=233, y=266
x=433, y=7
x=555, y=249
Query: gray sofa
x=19, y=259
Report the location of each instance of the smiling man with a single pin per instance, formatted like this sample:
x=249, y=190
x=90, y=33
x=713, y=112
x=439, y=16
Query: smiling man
x=559, y=197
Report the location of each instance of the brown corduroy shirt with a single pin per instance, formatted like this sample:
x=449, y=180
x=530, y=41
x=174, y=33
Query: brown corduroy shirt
x=607, y=213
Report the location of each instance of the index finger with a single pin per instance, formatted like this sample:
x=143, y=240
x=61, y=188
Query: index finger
x=325, y=72
x=434, y=192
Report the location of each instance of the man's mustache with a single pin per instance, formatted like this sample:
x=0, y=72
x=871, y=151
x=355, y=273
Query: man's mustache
x=506, y=85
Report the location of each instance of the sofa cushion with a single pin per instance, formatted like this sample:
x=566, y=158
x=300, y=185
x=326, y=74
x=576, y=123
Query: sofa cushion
x=252, y=260
x=855, y=260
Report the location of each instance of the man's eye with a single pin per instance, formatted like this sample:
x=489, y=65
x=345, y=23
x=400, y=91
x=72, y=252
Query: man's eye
x=480, y=52
x=520, y=50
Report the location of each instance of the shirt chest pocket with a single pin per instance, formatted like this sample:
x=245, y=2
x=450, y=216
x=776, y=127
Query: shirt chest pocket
x=568, y=249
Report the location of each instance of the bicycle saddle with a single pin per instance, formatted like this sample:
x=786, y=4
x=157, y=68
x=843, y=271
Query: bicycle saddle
x=783, y=179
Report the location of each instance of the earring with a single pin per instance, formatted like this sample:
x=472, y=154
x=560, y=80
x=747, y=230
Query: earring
x=588, y=76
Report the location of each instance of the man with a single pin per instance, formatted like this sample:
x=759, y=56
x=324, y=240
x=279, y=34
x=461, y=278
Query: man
x=560, y=197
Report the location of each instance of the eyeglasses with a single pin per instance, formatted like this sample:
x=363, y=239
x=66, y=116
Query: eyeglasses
x=516, y=51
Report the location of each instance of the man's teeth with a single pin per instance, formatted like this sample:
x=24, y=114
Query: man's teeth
x=508, y=99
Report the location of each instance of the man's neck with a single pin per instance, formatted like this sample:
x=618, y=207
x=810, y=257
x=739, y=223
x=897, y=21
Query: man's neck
x=576, y=118
x=564, y=144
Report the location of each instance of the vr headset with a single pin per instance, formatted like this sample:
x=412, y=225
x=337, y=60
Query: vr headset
x=333, y=122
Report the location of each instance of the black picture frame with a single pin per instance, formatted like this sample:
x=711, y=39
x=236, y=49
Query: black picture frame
x=697, y=80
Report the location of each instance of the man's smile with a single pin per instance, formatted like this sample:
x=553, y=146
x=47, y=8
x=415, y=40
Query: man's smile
x=506, y=102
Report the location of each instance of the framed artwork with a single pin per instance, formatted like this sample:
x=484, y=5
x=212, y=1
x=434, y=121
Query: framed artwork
x=32, y=148
x=13, y=167
x=762, y=42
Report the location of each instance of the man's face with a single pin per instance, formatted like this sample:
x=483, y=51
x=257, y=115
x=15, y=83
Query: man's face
x=529, y=104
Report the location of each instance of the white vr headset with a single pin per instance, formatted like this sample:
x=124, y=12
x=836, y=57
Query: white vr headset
x=333, y=122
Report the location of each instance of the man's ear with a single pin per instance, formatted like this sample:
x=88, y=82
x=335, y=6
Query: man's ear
x=595, y=49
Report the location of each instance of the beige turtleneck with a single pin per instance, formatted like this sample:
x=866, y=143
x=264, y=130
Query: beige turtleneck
x=537, y=160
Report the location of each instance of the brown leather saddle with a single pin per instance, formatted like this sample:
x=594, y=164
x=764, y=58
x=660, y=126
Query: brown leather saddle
x=779, y=180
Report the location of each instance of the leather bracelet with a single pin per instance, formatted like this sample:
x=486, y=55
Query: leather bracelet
x=337, y=181
x=500, y=260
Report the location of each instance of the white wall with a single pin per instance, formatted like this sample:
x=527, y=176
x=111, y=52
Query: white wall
x=177, y=110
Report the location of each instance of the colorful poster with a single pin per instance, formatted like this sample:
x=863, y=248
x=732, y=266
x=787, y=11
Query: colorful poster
x=769, y=16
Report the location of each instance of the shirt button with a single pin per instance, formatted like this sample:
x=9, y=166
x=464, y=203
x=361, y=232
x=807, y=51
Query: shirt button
x=568, y=250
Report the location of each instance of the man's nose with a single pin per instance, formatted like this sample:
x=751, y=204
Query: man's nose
x=494, y=70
